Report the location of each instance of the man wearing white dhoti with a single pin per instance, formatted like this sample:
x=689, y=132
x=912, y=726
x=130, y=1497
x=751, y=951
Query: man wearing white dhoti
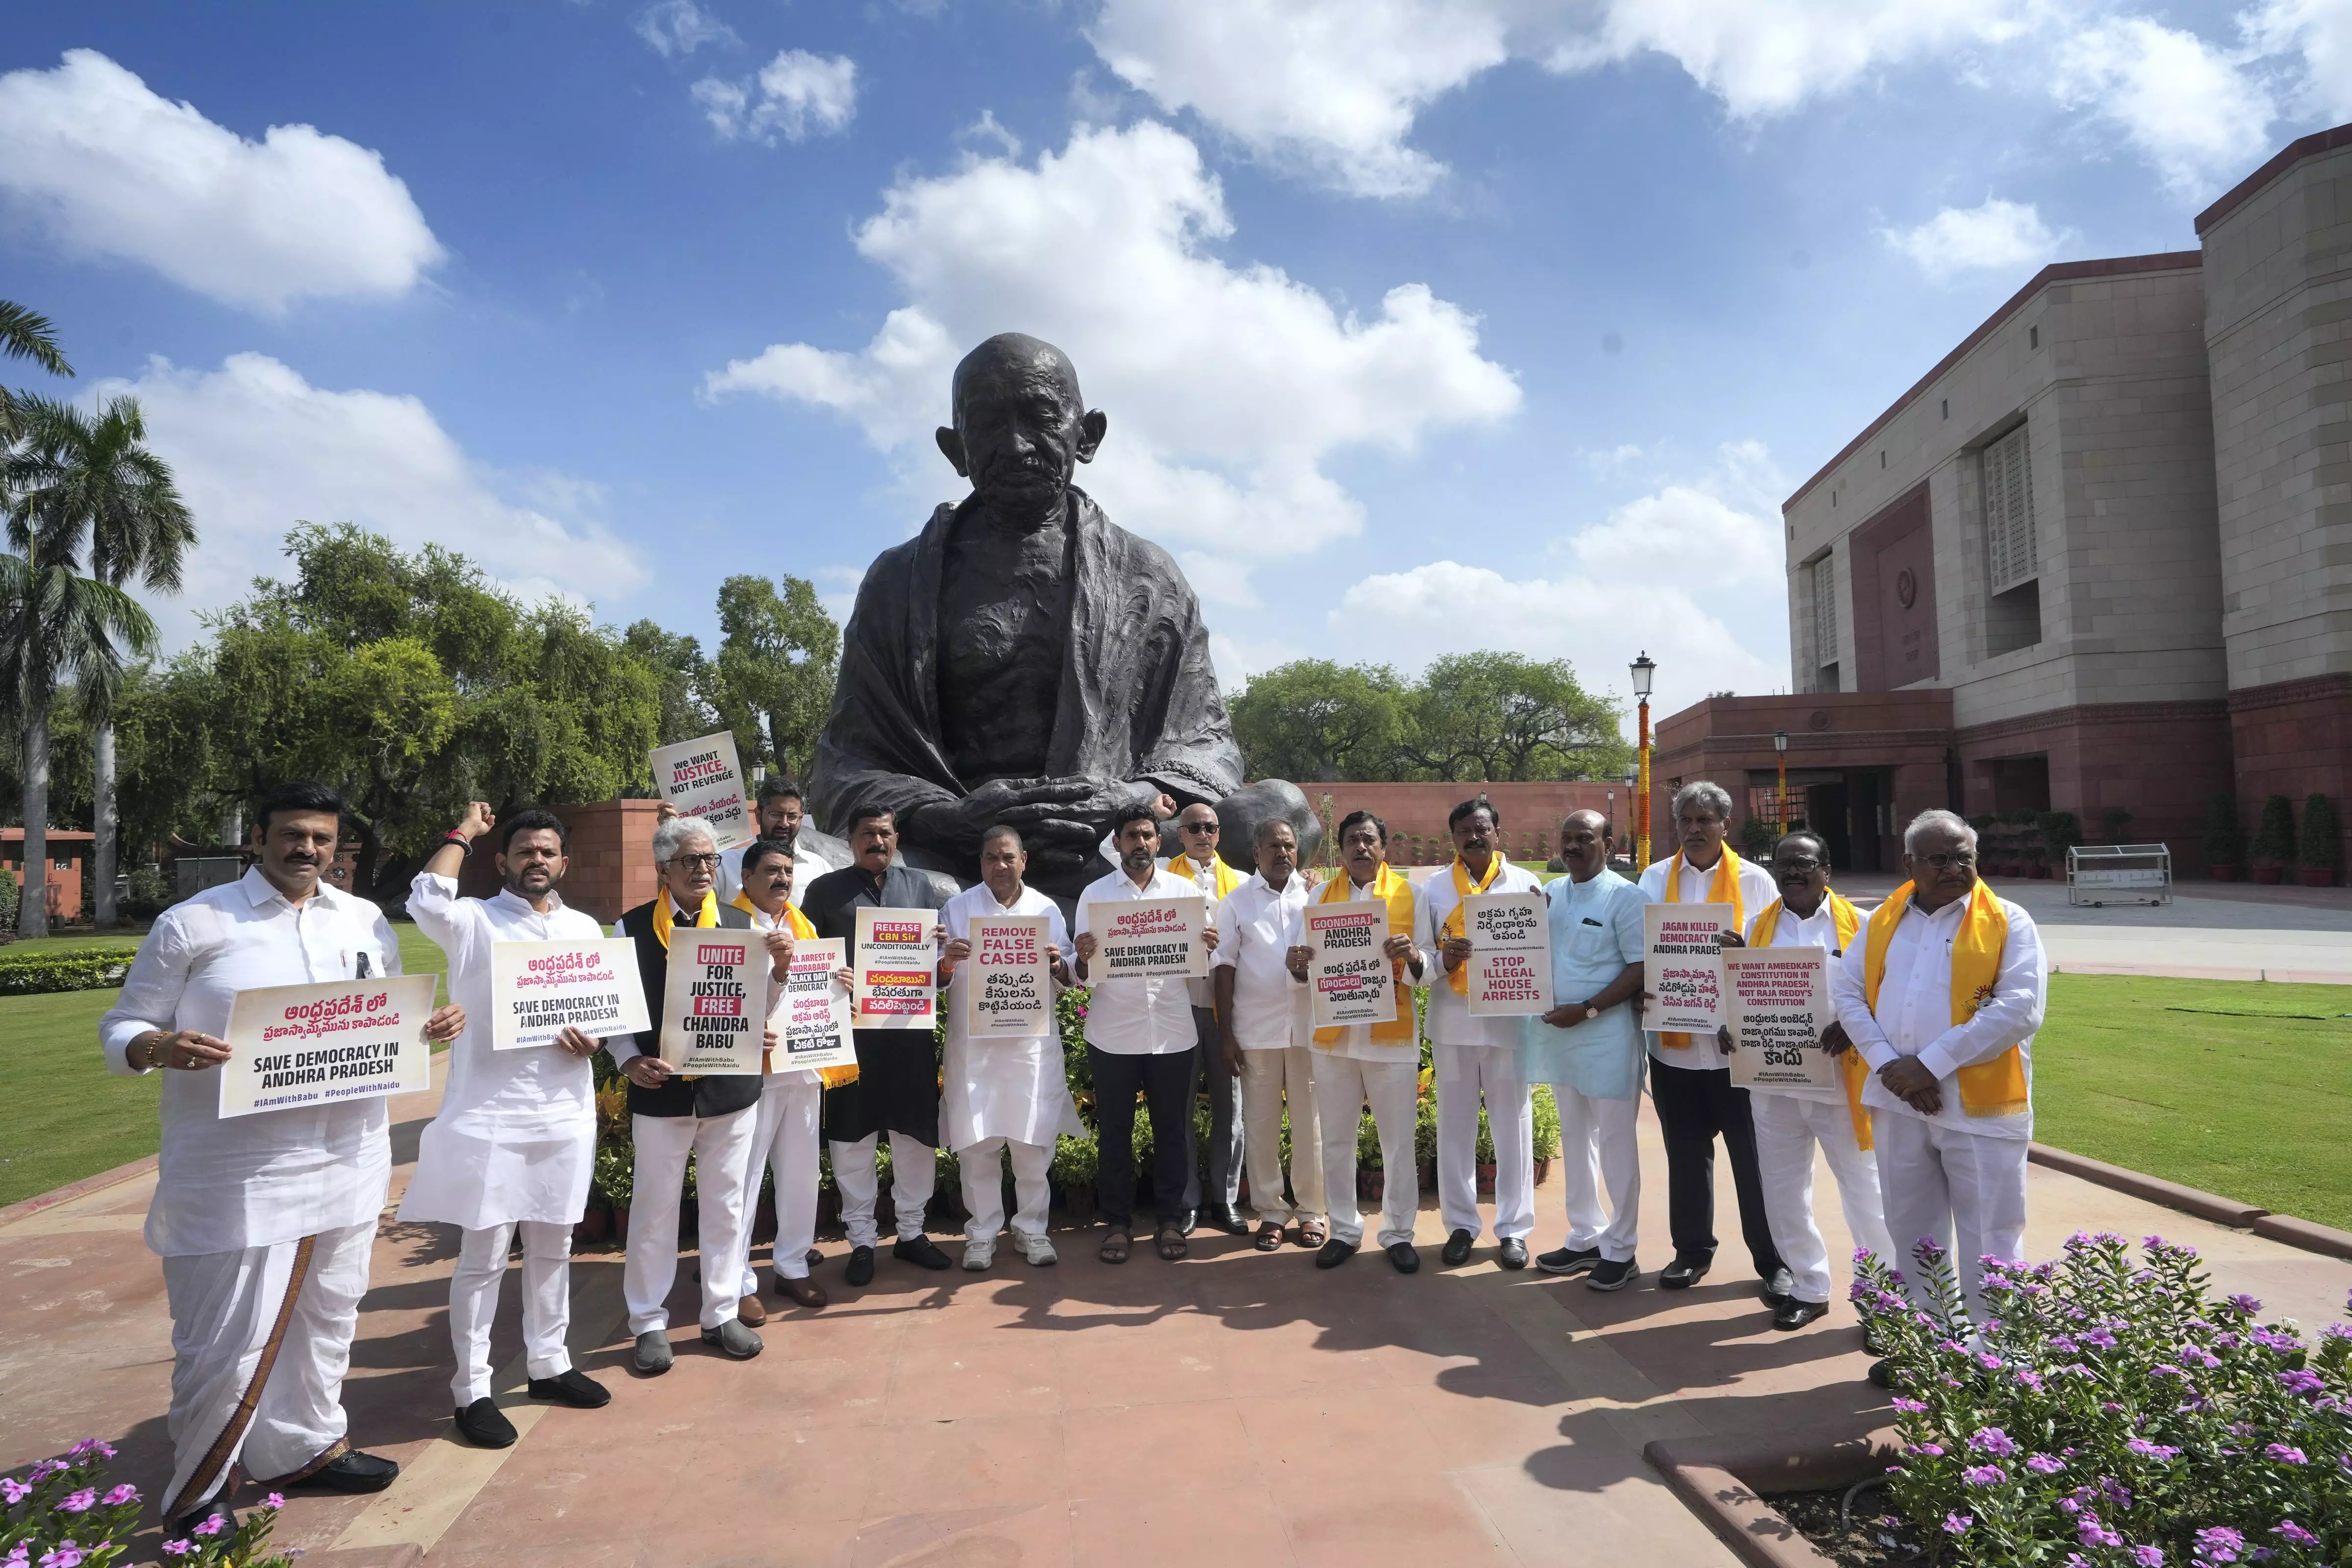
x=264, y=1222
x=1008, y=1092
x=1264, y=1019
x=515, y=1140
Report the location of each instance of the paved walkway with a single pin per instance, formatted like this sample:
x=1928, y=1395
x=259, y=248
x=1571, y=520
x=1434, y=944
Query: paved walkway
x=1238, y=1409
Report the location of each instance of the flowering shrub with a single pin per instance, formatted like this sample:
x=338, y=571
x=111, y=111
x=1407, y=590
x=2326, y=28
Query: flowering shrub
x=2112, y=1413
x=62, y=1514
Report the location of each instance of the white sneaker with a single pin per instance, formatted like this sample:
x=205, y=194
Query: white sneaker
x=1036, y=1248
x=979, y=1256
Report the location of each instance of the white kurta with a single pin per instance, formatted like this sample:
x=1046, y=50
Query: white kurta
x=1137, y=1016
x=1004, y=1086
x=515, y=1138
x=279, y=1176
x=1450, y=1023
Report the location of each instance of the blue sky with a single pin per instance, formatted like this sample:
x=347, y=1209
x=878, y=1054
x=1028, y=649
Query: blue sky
x=1421, y=327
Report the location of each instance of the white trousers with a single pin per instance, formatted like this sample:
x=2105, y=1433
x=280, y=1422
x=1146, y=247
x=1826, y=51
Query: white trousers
x=1598, y=1152
x=1343, y=1086
x=784, y=1140
x=233, y=1326
x=721, y=1146
x=1268, y=1078
x=1463, y=1071
x=914, y=1172
x=474, y=1303
x=983, y=1186
x=1786, y=1129
x=1935, y=1179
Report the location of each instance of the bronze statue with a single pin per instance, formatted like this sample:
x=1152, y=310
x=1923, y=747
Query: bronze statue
x=1023, y=659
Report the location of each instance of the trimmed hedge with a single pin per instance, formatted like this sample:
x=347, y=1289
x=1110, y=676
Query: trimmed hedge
x=88, y=970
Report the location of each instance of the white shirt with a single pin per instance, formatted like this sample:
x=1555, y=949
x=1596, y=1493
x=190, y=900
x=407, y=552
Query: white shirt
x=1002, y=1086
x=1818, y=929
x=1204, y=881
x=762, y=921
x=1450, y=1023
x=1137, y=1016
x=1915, y=1011
x=1356, y=1038
x=276, y=1175
x=1257, y=928
x=807, y=866
x=1757, y=889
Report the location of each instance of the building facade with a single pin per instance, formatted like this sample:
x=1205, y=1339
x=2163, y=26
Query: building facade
x=2102, y=551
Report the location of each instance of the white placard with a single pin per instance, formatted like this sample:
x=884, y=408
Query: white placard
x=812, y=1021
x=1510, y=954
x=715, y=1001
x=898, y=977
x=1352, y=980
x=702, y=779
x=1008, y=987
x=1683, y=966
x=1779, y=1004
x=320, y=1045
x=1149, y=938
x=540, y=989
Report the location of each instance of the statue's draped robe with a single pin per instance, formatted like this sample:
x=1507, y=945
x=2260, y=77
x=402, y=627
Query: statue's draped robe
x=1139, y=696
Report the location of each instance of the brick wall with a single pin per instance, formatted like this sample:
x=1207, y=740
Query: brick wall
x=612, y=859
x=1531, y=812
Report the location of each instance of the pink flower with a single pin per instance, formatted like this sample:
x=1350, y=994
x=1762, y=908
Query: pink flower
x=2043, y=1465
x=211, y=1526
x=2148, y=1557
x=78, y=1502
x=1994, y=1441
x=121, y=1494
x=2219, y=1542
x=65, y=1555
x=13, y=1490
x=2294, y=1533
x=2280, y=1454
x=2091, y=1532
x=1909, y=1407
x=1957, y=1524
x=178, y=1548
x=274, y=1501
x=2245, y=1306
x=1933, y=1450
x=90, y=1445
x=2301, y=1382
x=1984, y=1475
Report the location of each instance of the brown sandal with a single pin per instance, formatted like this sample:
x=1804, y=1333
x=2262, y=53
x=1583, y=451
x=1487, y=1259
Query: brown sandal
x=1114, y=1246
x=1313, y=1233
x=1171, y=1242
x=1269, y=1236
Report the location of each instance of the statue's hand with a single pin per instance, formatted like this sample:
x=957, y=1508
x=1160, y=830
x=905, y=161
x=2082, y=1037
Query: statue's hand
x=1022, y=802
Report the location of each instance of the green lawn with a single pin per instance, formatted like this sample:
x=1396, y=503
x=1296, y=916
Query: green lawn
x=2238, y=1087
x=128, y=937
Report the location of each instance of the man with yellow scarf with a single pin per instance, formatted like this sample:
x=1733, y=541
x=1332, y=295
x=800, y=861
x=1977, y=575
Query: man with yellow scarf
x=1470, y=1055
x=712, y=1118
x=1197, y=832
x=1689, y=1084
x=1942, y=996
x=1790, y=1122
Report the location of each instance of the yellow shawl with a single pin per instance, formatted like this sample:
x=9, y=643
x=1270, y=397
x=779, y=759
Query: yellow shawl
x=1724, y=889
x=1459, y=979
x=1396, y=891
x=1228, y=878
x=1995, y=1088
x=798, y=924
x=1854, y=1071
x=662, y=919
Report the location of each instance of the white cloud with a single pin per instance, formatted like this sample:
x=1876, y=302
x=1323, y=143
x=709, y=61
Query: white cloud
x=794, y=94
x=2190, y=107
x=94, y=157
x=2320, y=33
x=257, y=447
x=1997, y=235
x=1226, y=386
x=676, y=27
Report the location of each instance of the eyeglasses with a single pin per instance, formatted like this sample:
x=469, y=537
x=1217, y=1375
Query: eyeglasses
x=1958, y=860
x=1800, y=866
x=696, y=862
x=1198, y=828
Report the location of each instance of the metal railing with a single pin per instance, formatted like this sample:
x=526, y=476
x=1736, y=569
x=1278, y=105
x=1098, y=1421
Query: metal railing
x=2101, y=874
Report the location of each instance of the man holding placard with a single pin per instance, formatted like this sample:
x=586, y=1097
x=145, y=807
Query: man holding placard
x=710, y=1112
x=264, y=1222
x=1141, y=935
x=514, y=1142
x=1356, y=961
x=704, y=780
x=1474, y=1051
x=1696, y=1101
x=1264, y=1017
x=897, y=1086
x=1007, y=1091
x=1792, y=1117
x=1197, y=861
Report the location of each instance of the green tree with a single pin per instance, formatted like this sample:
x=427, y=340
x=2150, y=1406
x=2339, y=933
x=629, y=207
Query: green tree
x=1313, y=719
x=685, y=675
x=1496, y=716
x=778, y=655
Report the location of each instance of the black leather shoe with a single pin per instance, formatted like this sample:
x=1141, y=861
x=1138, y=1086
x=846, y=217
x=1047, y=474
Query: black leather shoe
x=1514, y=1254
x=861, y=1266
x=1334, y=1252
x=918, y=1249
x=1457, y=1248
x=1795, y=1314
x=1560, y=1260
x=484, y=1425
x=571, y=1387
x=1780, y=1288
x=1684, y=1273
x=185, y=1527
x=354, y=1472
x=1882, y=1373
x=1406, y=1259
x=1224, y=1218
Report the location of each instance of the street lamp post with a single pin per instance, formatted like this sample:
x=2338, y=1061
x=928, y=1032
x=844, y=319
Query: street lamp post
x=1645, y=670
x=1780, y=797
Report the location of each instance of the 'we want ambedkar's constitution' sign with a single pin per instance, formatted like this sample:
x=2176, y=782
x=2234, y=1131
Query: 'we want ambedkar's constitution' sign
x=319, y=1045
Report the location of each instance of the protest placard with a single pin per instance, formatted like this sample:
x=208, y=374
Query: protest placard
x=714, y=1002
x=1779, y=1000
x=1008, y=987
x=702, y=779
x=1149, y=938
x=813, y=1021
x=1510, y=954
x=898, y=979
x=319, y=1045
x=538, y=989
x=1683, y=967
x=1351, y=979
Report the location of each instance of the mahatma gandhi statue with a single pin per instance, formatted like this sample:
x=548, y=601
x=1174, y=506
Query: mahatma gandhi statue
x=1024, y=659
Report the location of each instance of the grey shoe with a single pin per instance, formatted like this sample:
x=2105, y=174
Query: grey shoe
x=653, y=1352
x=734, y=1339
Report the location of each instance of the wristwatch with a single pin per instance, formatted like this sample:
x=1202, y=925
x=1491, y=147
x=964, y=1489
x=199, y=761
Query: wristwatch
x=1591, y=1012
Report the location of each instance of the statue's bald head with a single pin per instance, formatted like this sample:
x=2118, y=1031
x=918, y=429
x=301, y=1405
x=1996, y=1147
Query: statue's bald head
x=1010, y=361
x=1021, y=427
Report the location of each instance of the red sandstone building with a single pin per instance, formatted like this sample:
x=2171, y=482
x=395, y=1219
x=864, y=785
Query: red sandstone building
x=2100, y=555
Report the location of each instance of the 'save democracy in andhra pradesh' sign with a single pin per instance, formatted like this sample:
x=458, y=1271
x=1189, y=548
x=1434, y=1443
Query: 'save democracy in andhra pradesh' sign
x=1008, y=988
x=317, y=1045
x=1149, y=938
x=538, y=989
x=1510, y=954
x=1779, y=1004
x=813, y=1021
x=702, y=779
x=714, y=1002
x=897, y=980
x=1352, y=980
x=1683, y=966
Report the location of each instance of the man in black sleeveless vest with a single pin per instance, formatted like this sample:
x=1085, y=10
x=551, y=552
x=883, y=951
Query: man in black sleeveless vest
x=671, y=1115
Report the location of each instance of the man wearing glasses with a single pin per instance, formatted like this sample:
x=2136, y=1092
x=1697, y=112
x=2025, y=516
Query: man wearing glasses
x=1196, y=827
x=1942, y=992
